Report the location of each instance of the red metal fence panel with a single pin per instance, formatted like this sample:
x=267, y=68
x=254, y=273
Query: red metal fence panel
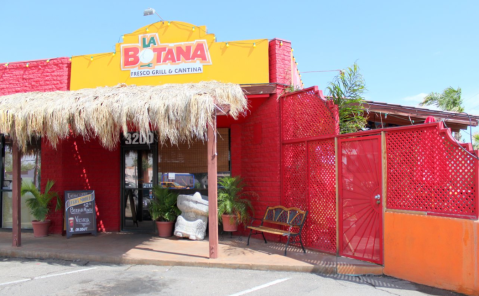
x=309, y=176
x=305, y=114
x=295, y=189
x=428, y=171
x=321, y=222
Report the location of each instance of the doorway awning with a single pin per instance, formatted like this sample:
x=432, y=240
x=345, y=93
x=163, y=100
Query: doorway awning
x=177, y=112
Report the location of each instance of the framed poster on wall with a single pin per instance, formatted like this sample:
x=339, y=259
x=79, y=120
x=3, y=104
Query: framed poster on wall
x=80, y=212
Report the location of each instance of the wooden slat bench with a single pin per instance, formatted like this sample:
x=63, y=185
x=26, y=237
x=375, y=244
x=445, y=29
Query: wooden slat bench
x=290, y=218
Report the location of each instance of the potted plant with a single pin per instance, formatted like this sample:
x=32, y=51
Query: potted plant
x=163, y=210
x=233, y=207
x=39, y=206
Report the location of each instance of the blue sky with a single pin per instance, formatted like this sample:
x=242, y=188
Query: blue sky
x=405, y=49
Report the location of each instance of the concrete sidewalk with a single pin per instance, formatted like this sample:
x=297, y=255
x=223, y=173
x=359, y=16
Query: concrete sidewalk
x=130, y=248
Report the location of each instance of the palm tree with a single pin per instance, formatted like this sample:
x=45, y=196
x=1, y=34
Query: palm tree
x=476, y=141
x=346, y=91
x=448, y=100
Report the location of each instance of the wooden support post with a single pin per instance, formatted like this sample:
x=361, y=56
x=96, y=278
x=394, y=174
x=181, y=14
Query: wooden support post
x=16, y=198
x=384, y=170
x=384, y=186
x=336, y=154
x=212, y=191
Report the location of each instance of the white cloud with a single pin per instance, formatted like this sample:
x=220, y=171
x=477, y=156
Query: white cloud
x=416, y=98
x=414, y=101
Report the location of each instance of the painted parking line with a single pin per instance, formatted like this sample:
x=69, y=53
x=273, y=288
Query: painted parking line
x=260, y=287
x=45, y=276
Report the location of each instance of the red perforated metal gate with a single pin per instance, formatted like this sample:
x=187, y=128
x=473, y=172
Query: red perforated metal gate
x=427, y=171
x=360, y=190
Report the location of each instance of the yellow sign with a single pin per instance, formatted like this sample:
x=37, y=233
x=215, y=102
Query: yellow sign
x=173, y=52
x=78, y=201
x=150, y=58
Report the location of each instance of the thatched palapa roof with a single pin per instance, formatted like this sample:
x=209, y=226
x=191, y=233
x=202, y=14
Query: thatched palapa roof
x=177, y=112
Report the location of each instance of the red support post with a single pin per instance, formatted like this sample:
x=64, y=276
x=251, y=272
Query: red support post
x=16, y=198
x=212, y=191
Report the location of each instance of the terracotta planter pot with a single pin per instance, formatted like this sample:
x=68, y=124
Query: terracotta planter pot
x=229, y=223
x=165, y=229
x=40, y=229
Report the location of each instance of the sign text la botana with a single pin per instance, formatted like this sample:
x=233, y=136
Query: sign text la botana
x=150, y=58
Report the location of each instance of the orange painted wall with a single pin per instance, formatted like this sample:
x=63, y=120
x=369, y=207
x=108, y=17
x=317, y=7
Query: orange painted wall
x=435, y=251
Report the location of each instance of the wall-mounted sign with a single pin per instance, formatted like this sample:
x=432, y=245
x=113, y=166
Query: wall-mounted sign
x=150, y=58
x=80, y=212
x=135, y=138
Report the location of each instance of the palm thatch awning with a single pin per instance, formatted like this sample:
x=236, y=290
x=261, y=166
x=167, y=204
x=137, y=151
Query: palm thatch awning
x=177, y=112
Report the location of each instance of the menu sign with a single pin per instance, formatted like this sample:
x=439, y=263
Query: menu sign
x=80, y=212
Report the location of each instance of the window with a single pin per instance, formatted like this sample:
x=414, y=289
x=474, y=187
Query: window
x=30, y=172
x=186, y=166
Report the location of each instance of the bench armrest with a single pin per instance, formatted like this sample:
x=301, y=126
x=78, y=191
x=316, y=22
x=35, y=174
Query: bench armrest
x=253, y=219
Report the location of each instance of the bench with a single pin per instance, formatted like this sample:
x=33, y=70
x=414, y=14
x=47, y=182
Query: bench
x=291, y=221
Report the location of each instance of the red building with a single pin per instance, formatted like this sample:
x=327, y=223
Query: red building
x=380, y=195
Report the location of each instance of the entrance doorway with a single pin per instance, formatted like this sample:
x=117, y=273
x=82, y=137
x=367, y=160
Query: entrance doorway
x=139, y=174
x=360, y=190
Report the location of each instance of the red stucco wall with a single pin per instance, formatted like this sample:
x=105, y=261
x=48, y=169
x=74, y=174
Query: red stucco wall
x=280, y=66
x=77, y=165
x=260, y=155
x=38, y=76
x=42, y=76
x=256, y=143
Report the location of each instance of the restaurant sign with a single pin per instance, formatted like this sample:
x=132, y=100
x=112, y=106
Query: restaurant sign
x=80, y=212
x=150, y=58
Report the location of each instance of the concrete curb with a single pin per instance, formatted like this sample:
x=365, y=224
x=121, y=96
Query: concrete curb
x=318, y=269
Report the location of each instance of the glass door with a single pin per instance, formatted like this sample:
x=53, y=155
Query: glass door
x=139, y=167
x=30, y=173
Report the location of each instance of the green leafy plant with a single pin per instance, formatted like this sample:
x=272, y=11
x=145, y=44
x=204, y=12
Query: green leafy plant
x=163, y=205
x=232, y=201
x=292, y=88
x=346, y=91
x=40, y=203
x=476, y=141
x=449, y=100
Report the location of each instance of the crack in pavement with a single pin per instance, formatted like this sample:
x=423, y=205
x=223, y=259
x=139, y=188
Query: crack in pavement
x=365, y=281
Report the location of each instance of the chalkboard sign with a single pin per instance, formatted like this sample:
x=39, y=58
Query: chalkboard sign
x=80, y=212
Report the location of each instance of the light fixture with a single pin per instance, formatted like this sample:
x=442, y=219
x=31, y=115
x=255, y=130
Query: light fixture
x=151, y=11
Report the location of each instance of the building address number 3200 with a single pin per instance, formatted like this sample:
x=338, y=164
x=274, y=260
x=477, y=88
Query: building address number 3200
x=135, y=138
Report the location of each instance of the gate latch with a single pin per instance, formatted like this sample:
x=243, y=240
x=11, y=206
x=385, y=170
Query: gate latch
x=378, y=198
